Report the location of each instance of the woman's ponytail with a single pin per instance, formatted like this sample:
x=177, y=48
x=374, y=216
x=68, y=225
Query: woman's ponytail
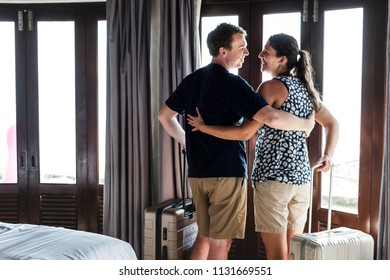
x=298, y=64
x=305, y=72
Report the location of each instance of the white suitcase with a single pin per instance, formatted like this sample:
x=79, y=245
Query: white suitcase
x=332, y=244
x=170, y=230
x=170, y=227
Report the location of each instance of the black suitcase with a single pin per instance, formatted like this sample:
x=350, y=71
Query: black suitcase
x=170, y=229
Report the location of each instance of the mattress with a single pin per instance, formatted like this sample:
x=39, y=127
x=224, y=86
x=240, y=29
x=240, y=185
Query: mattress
x=39, y=242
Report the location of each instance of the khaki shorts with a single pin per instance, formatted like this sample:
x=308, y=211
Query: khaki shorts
x=279, y=207
x=220, y=206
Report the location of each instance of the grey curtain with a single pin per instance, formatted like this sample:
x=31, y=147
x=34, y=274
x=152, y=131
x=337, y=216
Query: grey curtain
x=152, y=46
x=127, y=176
x=179, y=55
x=383, y=248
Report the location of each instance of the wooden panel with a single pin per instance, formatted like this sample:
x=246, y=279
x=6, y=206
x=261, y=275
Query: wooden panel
x=100, y=222
x=233, y=253
x=262, y=254
x=59, y=210
x=9, y=208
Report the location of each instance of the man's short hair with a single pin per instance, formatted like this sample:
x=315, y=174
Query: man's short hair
x=222, y=36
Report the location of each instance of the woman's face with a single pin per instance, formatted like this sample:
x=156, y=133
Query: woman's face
x=270, y=63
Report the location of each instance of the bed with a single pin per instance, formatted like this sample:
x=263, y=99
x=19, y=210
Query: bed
x=39, y=242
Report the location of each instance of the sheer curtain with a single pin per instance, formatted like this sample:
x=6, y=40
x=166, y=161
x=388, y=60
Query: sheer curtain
x=152, y=46
x=383, y=248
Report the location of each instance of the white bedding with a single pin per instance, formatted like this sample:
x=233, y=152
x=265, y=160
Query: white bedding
x=38, y=242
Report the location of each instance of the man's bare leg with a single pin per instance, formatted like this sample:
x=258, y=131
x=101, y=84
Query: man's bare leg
x=219, y=249
x=201, y=248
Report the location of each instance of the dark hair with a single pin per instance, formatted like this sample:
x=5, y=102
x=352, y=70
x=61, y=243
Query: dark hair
x=298, y=63
x=221, y=36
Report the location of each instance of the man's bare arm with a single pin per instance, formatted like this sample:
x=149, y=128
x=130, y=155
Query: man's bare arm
x=282, y=120
x=167, y=118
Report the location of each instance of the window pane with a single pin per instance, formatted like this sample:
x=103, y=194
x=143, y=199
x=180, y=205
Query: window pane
x=56, y=85
x=276, y=23
x=207, y=25
x=8, y=162
x=343, y=28
x=102, y=78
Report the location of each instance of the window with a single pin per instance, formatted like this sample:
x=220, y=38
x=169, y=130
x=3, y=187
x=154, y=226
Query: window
x=102, y=91
x=343, y=28
x=345, y=39
x=57, y=104
x=53, y=94
x=8, y=164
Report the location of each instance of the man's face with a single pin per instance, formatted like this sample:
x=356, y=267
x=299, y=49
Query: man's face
x=236, y=55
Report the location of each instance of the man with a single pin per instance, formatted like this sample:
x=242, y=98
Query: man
x=216, y=167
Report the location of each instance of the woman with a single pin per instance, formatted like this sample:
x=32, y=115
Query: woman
x=281, y=172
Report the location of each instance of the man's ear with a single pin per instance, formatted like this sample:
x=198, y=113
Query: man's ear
x=222, y=51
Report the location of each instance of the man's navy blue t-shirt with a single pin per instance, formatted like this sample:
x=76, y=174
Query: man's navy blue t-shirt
x=223, y=99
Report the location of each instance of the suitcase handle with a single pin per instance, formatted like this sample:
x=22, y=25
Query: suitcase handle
x=184, y=188
x=184, y=181
x=329, y=222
